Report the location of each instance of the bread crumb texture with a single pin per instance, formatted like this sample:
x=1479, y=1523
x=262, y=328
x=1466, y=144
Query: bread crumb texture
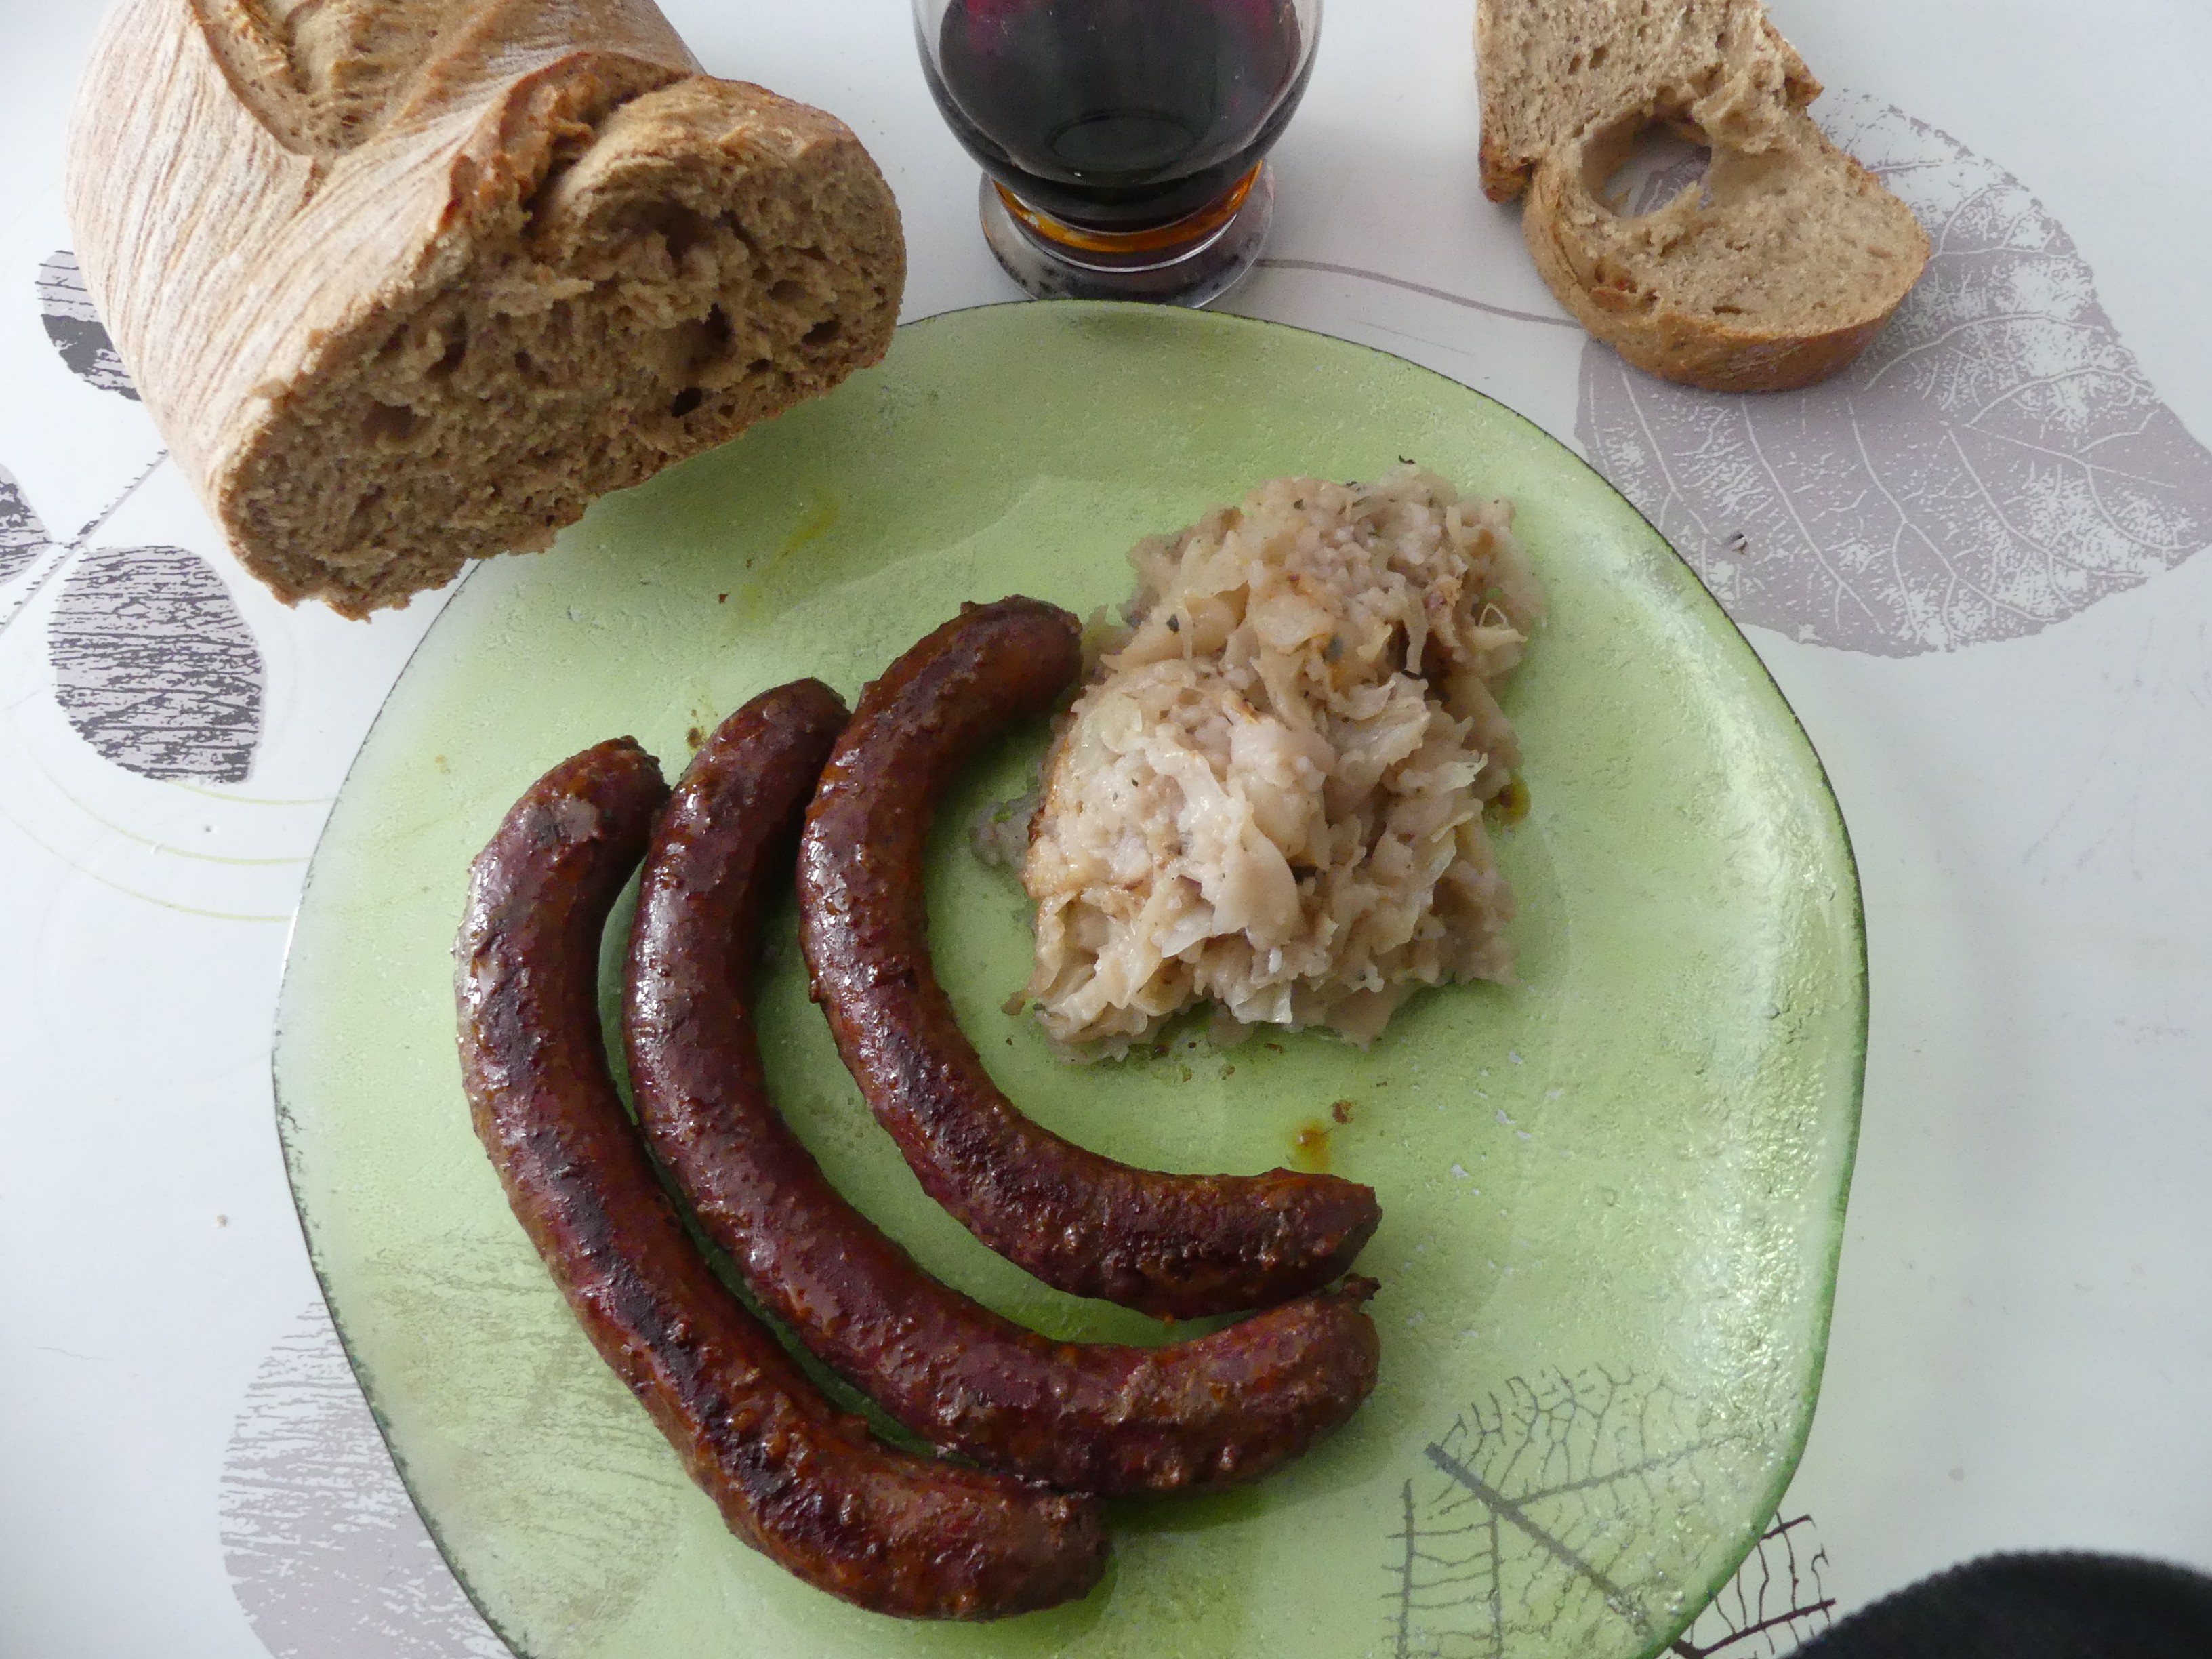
x=410, y=284
x=1772, y=270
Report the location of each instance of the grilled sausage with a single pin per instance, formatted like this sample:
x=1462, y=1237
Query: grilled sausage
x=1101, y=1417
x=1168, y=1244
x=794, y=1477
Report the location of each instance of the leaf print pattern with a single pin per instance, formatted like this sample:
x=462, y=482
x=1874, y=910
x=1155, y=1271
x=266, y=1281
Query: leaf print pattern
x=153, y=667
x=23, y=537
x=74, y=327
x=1525, y=1528
x=1775, y=1601
x=1994, y=462
x=325, y=1552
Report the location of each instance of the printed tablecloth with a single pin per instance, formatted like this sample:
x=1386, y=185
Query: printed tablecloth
x=1970, y=561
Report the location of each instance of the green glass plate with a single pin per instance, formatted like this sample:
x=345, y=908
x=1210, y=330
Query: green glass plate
x=1613, y=1193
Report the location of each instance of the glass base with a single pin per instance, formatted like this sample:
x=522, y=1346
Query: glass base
x=1194, y=273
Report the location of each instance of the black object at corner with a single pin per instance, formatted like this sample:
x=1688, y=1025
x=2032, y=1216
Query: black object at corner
x=2034, y=1606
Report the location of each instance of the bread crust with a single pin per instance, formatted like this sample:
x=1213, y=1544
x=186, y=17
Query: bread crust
x=1688, y=290
x=278, y=208
x=1565, y=230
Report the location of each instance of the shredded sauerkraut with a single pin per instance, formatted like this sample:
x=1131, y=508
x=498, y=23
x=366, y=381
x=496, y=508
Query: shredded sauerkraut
x=1271, y=793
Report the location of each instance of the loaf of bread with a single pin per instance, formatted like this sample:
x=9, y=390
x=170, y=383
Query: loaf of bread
x=1774, y=270
x=408, y=283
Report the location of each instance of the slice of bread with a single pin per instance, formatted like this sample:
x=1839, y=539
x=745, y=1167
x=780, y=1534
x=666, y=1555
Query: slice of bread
x=408, y=283
x=1773, y=271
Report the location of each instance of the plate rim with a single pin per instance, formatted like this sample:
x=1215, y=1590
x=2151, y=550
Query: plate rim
x=1851, y=915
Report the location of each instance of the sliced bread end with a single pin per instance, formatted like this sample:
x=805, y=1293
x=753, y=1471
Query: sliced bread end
x=705, y=255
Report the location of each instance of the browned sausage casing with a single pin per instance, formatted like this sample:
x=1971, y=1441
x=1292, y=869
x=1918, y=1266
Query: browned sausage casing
x=1099, y=1417
x=794, y=1477
x=1168, y=1244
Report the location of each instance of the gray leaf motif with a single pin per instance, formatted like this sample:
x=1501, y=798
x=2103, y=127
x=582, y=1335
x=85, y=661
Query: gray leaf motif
x=326, y=1554
x=1775, y=1601
x=1993, y=464
x=74, y=327
x=153, y=666
x=21, y=534
x=1534, y=1521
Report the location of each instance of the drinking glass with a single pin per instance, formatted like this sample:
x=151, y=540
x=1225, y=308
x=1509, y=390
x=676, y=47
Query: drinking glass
x=1123, y=141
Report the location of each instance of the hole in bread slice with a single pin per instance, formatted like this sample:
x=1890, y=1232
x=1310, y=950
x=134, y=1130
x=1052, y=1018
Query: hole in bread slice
x=453, y=343
x=388, y=423
x=1764, y=270
x=1657, y=160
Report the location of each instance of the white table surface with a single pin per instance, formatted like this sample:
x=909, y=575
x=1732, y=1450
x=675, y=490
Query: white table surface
x=2023, y=1334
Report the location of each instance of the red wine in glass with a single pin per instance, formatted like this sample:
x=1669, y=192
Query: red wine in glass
x=1118, y=124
